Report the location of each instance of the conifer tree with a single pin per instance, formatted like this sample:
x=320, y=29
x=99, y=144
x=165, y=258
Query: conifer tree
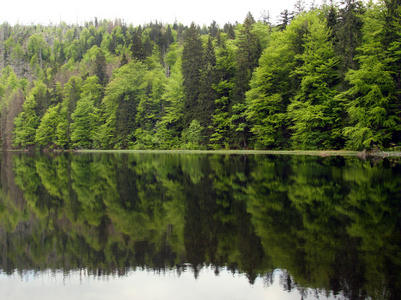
x=248, y=54
x=100, y=68
x=225, y=72
x=192, y=60
x=391, y=45
x=284, y=19
x=137, y=49
x=348, y=34
x=207, y=95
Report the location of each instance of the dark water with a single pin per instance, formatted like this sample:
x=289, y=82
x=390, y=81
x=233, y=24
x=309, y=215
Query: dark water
x=185, y=226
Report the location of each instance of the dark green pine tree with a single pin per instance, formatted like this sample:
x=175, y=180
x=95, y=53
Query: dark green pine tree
x=331, y=13
x=191, y=65
x=207, y=95
x=229, y=29
x=168, y=37
x=248, y=53
x=100, y=68
x=213, y=29
x=348, y=34
x=391, y=45
x=147, y=47
x=137, y=50
x=124, y=60
x=284, y=19
x=225, y=73
x=113, y=44
x=42, y=98
x=125, y=119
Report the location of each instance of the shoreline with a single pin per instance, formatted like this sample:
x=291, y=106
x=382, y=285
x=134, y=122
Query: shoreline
x=322, y=153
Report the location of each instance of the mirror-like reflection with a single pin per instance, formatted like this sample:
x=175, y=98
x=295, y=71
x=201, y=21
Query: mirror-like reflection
x=331, y=224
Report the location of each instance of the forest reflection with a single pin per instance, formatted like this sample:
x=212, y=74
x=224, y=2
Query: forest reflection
x=333, y=223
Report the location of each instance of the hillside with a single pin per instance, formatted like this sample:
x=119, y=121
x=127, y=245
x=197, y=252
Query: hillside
x=327, y=78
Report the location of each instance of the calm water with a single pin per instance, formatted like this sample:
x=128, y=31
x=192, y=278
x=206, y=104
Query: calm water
x=186, y=226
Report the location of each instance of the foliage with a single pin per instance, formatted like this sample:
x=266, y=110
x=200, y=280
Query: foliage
x=327, y=77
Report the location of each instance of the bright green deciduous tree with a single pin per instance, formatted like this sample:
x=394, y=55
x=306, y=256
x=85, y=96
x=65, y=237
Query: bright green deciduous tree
x=272, y=87
x=84, y=123
x=313, y=111
x=192, y=136
x=173, y=109
x=26, y=124
x=91, y=86
x=372, y=119
x=123, y=94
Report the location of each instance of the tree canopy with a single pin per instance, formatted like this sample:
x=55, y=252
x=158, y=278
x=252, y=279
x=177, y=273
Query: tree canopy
x=327, y=77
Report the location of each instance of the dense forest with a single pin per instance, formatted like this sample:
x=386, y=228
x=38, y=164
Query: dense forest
x=326, y=77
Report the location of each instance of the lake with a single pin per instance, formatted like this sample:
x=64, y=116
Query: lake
x=199, y=226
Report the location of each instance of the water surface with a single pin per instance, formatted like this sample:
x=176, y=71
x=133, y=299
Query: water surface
x=179, y=226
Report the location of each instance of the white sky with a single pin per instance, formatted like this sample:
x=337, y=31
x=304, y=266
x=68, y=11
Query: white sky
x=138, y=12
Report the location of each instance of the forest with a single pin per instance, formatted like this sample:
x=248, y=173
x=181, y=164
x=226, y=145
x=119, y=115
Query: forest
x=321, y=77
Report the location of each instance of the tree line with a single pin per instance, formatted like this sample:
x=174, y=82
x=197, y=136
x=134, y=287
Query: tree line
x=328, y=77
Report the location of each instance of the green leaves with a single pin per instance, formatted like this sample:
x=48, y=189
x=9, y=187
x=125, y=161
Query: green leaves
x=85, y=123
x=46, y=134
x=252, y=85
x=369, y=101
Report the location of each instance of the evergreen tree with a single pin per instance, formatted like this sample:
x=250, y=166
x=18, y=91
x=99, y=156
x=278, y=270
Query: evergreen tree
x=348, y=34
x=391, y=45
x=42, y=98
x=137, y=49
x=225, y=72
x=124, y=60
x=207, y=95
x=248, y=54
x=284, y=19
x=192, y=60
x=100, y=68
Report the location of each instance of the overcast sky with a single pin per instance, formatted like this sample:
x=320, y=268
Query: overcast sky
x=138, y=12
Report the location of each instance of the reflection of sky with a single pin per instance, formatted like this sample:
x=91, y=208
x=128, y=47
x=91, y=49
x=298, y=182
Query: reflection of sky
x=143, y=285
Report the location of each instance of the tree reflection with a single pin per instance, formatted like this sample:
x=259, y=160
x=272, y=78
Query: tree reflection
x=332, y=224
